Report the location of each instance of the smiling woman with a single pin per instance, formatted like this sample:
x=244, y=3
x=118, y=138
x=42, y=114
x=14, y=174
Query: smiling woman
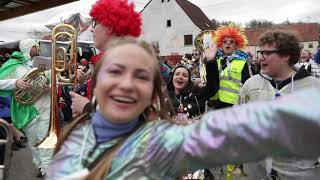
x=128, y=90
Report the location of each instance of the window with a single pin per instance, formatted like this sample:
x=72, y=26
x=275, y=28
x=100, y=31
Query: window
x=168, y=23
x=301, y=45
x=310, y=45
x=188, y=40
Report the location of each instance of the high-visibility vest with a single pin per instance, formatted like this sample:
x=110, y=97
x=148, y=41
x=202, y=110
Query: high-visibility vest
x=230, y=86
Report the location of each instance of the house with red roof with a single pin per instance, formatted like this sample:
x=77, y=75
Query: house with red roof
x=307, y=33
x=173, y=25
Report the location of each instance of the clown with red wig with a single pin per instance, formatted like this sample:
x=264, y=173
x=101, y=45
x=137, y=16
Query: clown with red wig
x=110, y=19
x=232, y=65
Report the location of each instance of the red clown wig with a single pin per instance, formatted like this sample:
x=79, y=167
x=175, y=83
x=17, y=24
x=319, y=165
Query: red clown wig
x=231, y=31
x=119, y=16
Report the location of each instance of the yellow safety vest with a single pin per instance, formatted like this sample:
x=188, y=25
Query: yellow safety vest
x=230, y=86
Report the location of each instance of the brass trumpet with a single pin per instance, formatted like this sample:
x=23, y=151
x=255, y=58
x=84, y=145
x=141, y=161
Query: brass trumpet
x=64, y=72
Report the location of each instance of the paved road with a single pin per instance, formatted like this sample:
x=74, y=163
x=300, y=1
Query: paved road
x=21, y=167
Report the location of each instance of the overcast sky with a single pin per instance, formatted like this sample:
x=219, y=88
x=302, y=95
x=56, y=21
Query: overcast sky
x=240, y=11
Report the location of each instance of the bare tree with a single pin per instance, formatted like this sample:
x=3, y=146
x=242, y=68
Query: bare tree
x=259, y=24
x=287, y=22
x=217, y=23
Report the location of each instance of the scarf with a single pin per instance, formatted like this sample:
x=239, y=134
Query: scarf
x=106, y=130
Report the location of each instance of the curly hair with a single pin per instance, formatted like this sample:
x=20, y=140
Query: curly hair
x=231, y=31
x=119, y=16
x=284, y=41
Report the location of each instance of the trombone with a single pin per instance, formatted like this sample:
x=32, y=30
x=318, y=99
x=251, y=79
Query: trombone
x=63, y=73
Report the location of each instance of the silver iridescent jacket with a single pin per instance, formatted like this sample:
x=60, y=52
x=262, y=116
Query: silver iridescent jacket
x=161, y=150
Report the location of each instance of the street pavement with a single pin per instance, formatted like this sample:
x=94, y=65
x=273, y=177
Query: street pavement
x=21, y=167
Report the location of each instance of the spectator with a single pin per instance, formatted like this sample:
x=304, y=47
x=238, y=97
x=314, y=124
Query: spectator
x=279, y=52
x=232, y=65
x=34, y=119
x=189, y=100
x=108, y=23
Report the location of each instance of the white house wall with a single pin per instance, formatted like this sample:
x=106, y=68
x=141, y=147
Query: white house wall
x=171, y=39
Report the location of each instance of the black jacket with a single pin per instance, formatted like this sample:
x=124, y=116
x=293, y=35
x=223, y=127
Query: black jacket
x=194, y=98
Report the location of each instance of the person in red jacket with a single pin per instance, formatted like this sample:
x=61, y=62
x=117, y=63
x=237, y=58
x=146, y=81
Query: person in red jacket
x=110, y=19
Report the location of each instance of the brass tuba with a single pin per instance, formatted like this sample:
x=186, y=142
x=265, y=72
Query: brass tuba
x=202, y=42
x=64, y=72
x=37, y=78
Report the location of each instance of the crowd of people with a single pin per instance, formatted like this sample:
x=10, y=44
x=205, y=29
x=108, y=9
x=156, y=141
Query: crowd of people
x=136, y=116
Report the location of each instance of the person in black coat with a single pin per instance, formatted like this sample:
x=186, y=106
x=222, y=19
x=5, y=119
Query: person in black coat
x=188, y=98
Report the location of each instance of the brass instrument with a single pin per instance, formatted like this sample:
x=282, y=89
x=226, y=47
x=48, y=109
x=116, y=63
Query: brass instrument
x=6, y=140
x=64, y=72
x=39, y=80
x=203, y=42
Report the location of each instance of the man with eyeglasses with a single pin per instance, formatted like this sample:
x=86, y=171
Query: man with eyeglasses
x=195, y=56
x=279, y=51
x=107, y=23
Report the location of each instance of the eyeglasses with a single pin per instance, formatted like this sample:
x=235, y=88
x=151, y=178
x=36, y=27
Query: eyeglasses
x=228, y=41
x=195, y=54
x=94, y=23
x=265, y=54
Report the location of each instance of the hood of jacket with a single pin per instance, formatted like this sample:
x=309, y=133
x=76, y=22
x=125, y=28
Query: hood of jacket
x=26, y=45
x=301, y=73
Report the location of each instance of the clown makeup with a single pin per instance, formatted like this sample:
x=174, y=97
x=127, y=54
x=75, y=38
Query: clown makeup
x=125, y=83
x=228, y=46
x=228, y=41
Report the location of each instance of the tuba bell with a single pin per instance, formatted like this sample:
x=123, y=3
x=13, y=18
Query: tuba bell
x=201, y=43
x=38, y=79
x=64, y=73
